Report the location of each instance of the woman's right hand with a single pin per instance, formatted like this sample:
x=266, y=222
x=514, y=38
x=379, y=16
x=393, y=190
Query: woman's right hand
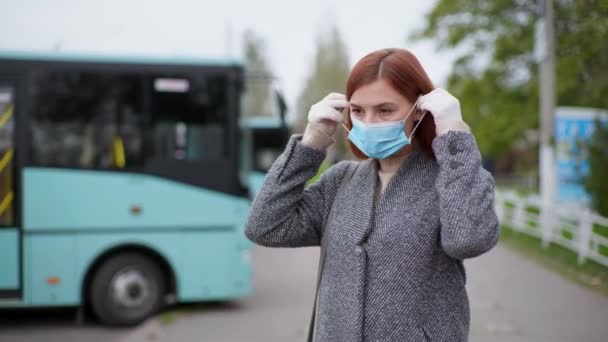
x=323, y=119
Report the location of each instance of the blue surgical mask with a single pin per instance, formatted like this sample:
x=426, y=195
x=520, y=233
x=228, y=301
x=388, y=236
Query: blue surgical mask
x=381, y=140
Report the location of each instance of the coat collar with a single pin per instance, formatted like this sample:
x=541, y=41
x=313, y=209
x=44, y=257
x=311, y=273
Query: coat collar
x=359, y=206
x=407, y=181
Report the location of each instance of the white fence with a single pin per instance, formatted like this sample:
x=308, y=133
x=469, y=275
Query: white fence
x=571, y=227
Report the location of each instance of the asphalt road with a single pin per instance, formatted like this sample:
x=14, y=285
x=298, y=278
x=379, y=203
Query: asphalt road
x=512, y=299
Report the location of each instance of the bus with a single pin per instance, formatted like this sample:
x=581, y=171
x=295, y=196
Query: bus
x=266, y=136
x=125, y=182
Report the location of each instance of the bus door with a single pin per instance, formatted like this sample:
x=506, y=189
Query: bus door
x=9, y=233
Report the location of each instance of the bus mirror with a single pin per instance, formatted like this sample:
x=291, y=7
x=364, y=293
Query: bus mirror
x=282, y=105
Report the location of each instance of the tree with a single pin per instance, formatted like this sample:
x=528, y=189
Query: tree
x=496, y=76
x=329, y=74
x=595, y=181
x=258, y=99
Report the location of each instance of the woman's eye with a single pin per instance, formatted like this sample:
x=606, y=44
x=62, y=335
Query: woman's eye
x=386, y=111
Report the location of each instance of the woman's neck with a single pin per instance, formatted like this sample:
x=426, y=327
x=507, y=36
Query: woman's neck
x=387, y=168
x=391, y=164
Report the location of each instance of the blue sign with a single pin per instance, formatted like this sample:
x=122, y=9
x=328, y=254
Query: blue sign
x=574, y=127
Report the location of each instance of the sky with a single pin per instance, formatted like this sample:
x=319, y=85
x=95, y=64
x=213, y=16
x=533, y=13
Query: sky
x=215, y=29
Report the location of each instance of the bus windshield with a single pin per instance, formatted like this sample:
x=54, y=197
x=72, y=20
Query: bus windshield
x=263, y=117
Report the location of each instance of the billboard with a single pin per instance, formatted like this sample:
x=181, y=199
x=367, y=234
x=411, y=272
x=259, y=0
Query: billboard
x=574, y=127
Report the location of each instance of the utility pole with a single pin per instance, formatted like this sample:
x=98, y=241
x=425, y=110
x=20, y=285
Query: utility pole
x=545, y=54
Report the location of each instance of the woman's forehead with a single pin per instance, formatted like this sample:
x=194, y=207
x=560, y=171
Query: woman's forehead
x=377, y=93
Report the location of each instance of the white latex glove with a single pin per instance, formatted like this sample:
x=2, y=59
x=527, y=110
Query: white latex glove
x=445, y=109
x=323, y=119
x=326, y=111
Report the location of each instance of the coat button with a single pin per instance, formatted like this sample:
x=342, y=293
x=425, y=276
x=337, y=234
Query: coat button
x=455, y=164
x=453, y=148
x=358, y=250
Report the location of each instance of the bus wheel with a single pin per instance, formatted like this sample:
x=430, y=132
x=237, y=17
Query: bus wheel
x=126, y=289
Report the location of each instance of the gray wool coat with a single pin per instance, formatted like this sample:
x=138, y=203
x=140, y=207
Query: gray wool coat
x=393, y=268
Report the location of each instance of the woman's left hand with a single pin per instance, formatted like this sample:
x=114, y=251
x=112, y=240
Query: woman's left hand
x=445, y=109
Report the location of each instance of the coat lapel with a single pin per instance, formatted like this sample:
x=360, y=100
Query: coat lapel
x=361, y=201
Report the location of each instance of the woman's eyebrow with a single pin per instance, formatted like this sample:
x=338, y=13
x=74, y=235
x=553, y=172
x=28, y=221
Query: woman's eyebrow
x=377, y=105
x=385, y=104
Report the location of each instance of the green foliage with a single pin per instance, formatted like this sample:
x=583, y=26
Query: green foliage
x=257, y=100
x=595, y=182
x=495, y=76
x=329, y=73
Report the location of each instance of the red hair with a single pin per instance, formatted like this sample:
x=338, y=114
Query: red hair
x=402, y=70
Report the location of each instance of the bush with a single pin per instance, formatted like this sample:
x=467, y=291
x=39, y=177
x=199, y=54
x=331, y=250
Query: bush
x=596, y=182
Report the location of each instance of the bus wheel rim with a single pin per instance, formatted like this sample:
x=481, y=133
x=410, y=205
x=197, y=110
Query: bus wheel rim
x=129, y=288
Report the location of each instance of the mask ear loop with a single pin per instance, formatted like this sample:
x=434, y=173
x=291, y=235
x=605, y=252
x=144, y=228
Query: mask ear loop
x=414, y=109
x=346, y=128
x=418, y=124
x=424, y=112
x=342, y=123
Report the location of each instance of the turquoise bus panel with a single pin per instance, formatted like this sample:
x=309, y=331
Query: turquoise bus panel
x=9, y=258
x=215, y=267
x=51, y=257
x=121, y=59
x=207, y=265
x=261, y=122
x=256, y=180
x=199, y=232
x=62, y=199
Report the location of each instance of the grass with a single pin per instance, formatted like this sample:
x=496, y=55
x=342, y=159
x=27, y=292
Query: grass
x=168, y=317
x=521, y=191
x=558, y=259
x=603, y=231
x=174, y=313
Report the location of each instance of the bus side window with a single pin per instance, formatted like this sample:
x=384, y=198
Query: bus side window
x=77, y=118
x=189, y=118
x=7, y=153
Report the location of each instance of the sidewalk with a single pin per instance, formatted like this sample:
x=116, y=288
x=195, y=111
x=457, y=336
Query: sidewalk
x=513, y=299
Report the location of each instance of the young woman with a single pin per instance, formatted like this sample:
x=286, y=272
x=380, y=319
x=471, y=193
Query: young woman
x=417, y=205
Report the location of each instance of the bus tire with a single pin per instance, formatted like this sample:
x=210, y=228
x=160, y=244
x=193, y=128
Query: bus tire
x=126, y=289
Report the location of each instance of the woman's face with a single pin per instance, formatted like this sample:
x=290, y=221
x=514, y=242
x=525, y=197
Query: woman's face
x=379, y=102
